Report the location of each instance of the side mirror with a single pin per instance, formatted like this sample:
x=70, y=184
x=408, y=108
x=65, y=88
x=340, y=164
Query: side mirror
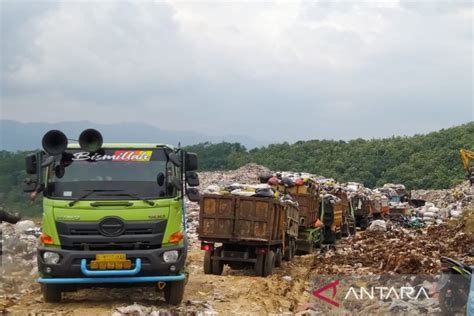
x=160, y=179
x=30, y=164
x=193, y=194
x=192, y=179
x=191, y=162
x=174, y=159
x=59, y=171
x=29, y=185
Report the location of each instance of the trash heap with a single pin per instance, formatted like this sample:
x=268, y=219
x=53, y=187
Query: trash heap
x=248, y=173
x=432, y=214
x=19, y=264
x=449, y=202
x=240, y=189
x=192, y=223
x=397, y=250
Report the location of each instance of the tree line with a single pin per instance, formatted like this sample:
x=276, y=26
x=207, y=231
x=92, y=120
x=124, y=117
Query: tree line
x=429, y=161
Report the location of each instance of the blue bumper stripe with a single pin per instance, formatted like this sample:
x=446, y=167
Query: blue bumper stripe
x=143, y=279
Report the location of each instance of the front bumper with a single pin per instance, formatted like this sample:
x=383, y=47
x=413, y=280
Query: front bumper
x=145, y=279
x=71, y=266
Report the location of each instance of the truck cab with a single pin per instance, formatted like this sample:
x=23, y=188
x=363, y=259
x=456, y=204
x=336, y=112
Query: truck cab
x=112, y=215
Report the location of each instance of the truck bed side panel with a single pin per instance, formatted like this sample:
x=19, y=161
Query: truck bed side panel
x=256, y=219
x=217, y=215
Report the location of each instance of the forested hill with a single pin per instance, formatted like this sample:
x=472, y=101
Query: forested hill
x=420, y=161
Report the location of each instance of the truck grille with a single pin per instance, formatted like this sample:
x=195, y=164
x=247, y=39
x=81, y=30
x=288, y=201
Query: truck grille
x=88, y=236
x=136, y=231
x=111, y=246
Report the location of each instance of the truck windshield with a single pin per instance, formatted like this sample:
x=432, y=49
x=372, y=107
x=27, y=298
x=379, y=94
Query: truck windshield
x=112, y=174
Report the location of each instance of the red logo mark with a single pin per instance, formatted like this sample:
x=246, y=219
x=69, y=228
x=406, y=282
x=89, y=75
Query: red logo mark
x=317, y=293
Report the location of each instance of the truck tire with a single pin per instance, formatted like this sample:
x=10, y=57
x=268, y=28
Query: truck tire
x=319, y=243
x=345, y=230
x=292, y=249
x=278, y=258
x=207, y=262
x=51, y=293
x=352, y=229
x=259, y=264
x=364, y=223
x=217, y=265
x=174, y=292
x=287, y=254
x=269, y=263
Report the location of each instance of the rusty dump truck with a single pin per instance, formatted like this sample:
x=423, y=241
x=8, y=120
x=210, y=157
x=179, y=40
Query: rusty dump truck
x=244, y=231
x=310, y=230
x=360, y=204
x=337, y=215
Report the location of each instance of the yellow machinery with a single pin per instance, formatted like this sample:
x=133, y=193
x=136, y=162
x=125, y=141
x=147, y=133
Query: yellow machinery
x=466, y=157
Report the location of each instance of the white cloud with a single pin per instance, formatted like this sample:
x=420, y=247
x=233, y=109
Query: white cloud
x=221, y=65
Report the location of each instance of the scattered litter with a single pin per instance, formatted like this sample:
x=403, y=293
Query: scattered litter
x=378, y=226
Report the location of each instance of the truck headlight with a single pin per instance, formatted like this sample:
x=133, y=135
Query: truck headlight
x=51, y=257
x=170, y=256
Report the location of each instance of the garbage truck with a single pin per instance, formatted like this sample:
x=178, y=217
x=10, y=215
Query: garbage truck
x=310, y=234
x=113, y=214
x=242, y=232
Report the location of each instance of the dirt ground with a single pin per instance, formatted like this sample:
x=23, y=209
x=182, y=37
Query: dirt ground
x=234, y=292
x=287, y=291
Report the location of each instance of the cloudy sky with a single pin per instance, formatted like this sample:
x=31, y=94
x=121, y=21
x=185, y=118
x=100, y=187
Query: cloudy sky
x=271, y=70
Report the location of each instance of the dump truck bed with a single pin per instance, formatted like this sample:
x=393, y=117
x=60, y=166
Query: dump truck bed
x=250, y=220
x=309, y=208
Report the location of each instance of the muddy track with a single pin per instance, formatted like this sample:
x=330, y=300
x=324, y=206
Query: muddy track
x=233, y=292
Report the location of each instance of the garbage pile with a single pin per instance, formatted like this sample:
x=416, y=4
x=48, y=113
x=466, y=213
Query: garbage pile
x=192, y=223
x=450, y=201
x=240, y=189
x=432, y=214
x=19, y=264
x=248, y=173
x=397, y=250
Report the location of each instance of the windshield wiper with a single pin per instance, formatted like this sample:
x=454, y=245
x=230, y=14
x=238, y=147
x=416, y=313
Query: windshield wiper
x=151, y=203
x=89, y=193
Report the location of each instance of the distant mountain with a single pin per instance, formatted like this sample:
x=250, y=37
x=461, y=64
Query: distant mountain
x=16, y=135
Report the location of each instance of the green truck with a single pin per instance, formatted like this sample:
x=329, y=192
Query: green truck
x=113, y=214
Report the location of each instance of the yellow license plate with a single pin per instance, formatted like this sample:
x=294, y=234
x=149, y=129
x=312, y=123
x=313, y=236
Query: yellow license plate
x=111, y=257
x=111, y=261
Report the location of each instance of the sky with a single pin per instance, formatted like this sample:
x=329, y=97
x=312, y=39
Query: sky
x=275, y=71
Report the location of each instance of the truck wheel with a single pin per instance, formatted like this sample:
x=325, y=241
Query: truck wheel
x=207, y=262
x=278, y=258
x=292, y=249
x=269, y=263
x=352, y=229
x=217, y=265
x=345, y=230
x=259, y=264
x=287, y=254
x=364, y=223
x=319, y=243
x=174, y=292
x=51, y=293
